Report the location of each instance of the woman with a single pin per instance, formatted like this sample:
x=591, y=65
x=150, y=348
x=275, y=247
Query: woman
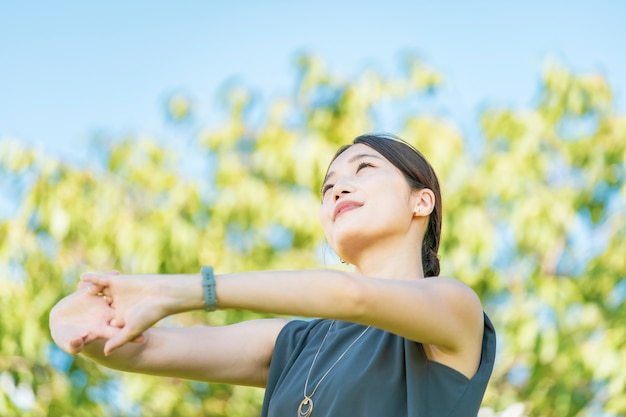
x=390, y=342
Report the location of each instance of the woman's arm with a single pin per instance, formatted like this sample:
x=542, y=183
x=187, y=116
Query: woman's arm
x=441, y=312
x=436, y=311
x=237, y=354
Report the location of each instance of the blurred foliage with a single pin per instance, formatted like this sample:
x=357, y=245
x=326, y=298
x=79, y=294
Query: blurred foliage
x=535, y=222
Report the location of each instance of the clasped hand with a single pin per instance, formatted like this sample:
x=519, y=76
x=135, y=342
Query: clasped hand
x=110, y=306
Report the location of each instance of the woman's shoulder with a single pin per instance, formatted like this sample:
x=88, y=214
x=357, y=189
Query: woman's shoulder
x=452, y=283
x=458, y=293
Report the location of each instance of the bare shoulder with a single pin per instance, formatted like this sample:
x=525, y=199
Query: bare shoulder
x=466, y=324
x=461, y=298
x=458, y=307
x=455, y=290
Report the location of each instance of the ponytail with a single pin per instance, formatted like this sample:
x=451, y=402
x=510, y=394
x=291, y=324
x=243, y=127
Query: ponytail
x=430, y=247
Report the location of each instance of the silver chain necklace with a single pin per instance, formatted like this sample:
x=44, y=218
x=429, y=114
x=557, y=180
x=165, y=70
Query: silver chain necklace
x=306, y=405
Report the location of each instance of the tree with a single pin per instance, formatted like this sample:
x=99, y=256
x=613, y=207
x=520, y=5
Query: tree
x=533, y=221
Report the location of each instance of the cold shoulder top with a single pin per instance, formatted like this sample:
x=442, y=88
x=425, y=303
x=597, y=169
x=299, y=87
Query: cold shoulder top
x=381, y=375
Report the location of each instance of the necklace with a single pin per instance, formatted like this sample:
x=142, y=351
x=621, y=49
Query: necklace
x=306, y=405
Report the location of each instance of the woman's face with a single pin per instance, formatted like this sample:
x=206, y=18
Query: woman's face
x=365, y=198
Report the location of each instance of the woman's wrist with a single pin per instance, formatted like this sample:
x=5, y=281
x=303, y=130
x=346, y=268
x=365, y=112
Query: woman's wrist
x=183, y=293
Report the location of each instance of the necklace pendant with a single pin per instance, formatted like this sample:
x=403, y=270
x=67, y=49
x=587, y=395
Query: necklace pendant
x=306, y=407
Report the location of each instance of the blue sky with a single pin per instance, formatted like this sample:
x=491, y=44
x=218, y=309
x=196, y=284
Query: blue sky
x=71, y=69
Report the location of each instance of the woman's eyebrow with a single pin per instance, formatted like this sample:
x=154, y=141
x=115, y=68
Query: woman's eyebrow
x=353, y=159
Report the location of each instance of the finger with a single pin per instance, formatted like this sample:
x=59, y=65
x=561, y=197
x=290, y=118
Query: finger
x=82, y=284
x=110, y=332
x=101, y=332
x=124, y=336
x=99, y=278
x=117, y=322
x=74, y=346
x=94, y=289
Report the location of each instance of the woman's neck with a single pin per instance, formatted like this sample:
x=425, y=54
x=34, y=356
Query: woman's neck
x=394, y=263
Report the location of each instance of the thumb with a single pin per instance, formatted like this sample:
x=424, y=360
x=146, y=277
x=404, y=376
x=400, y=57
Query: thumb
x=122, y=337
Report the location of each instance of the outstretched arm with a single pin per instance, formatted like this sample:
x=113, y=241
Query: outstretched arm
x=439, y=312
x=237, y=354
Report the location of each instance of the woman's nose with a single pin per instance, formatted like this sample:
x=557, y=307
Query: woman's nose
x=342, y=188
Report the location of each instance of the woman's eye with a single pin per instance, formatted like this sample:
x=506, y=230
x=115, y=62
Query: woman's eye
x=363, y=165
x=326, y=187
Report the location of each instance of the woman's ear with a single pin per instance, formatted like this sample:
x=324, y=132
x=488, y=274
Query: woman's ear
x=424, y=202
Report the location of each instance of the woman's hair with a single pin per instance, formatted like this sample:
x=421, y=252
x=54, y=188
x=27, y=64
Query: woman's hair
x=419, y=174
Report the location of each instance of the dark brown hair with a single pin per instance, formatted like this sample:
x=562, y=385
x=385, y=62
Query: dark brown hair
x=419, y=174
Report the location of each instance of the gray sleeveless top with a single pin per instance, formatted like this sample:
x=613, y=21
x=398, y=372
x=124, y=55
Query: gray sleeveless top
x=382, y=375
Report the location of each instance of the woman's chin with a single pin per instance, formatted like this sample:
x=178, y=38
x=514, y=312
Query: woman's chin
x=349, y=241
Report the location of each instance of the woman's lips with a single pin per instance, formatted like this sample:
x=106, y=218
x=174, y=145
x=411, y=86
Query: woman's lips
x=344, y=206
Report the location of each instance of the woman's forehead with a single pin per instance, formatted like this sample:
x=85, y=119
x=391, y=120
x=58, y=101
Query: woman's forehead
x=355, y=152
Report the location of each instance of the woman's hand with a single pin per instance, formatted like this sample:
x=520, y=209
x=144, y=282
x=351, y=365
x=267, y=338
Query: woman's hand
x=80, y=318
x=139, y=301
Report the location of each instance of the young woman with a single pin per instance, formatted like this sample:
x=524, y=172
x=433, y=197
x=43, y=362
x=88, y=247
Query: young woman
x=389, y=340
